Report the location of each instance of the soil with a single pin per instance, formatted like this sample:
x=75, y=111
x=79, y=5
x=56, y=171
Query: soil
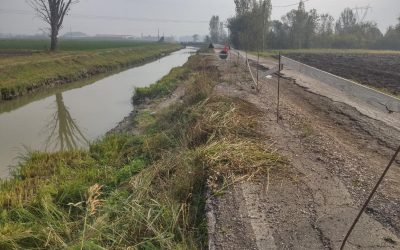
x=336, y=156
x=127, y=124
x=375, y=70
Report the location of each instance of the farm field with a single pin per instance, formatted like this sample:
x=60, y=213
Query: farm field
x=377, y=69
x=65, y=45
x=26, y=69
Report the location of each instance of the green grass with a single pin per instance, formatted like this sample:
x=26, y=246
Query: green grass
x=36, y=45
x=27, y=73
x=142, y=191
x=161, y=88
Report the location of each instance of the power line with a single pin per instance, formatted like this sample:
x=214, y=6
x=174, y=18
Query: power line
x=289, y=5
x=361, y=12
x=85, y=16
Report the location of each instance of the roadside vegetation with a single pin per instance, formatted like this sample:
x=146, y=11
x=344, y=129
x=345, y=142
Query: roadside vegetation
x=139, y=190
x=21, y=74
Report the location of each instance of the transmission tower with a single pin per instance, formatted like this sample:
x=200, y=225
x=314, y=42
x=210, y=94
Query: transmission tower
x=361, y=12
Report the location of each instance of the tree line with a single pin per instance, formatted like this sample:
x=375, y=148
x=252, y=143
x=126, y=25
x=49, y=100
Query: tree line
x=252, y=28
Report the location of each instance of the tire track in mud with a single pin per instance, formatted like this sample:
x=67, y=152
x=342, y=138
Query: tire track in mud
x=315, y=206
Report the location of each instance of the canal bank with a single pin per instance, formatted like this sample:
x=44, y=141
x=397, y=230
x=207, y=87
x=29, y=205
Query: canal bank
x=70, y=118
x=22, y=75
x=146, y=185
x=117, y=194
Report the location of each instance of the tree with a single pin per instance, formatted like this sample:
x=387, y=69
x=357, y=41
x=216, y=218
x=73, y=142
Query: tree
x=311, y=28
x=65, y=134
x=353, y=34
x=222, y=36
x=249, y=28
x=217, y=31
x=214, y=29
x=325, y=31
x=391, y=40
x=53, y=13
x=243, y=6
x=196, y=38
x=299, y=26
x=347, y=22
x=398, y=25
x=302, y=26
x=325, y=26
x=278, y=37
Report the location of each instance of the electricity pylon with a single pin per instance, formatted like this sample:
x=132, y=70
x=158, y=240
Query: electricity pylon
x=361, y=12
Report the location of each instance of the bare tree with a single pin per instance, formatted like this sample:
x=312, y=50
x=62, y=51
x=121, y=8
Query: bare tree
x=64, y=131
x=53, y=13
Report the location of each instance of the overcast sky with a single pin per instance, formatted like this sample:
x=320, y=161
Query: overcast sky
x=173, y=17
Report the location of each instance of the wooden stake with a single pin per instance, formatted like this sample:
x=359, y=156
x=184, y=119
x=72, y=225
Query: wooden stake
x=279, y=85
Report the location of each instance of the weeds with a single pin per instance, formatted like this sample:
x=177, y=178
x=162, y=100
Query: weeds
x=139, y=191
x=162, y=88
x=305, y=128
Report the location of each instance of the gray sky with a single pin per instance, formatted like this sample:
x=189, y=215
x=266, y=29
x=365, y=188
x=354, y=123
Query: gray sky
x=90, y=16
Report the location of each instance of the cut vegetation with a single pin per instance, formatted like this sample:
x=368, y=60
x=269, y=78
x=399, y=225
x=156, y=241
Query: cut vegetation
x=139, y=190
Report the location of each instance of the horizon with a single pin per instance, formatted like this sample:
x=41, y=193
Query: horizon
x=143, y=19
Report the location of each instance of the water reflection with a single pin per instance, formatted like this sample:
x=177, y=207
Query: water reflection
x=69, y=116
x=64, y=132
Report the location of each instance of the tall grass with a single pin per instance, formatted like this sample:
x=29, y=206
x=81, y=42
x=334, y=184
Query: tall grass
x=142, y=191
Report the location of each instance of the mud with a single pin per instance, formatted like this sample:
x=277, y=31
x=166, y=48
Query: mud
x=336, y=156
x=375, y=70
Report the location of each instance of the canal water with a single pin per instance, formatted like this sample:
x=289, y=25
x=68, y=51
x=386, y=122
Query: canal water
x=67, y=119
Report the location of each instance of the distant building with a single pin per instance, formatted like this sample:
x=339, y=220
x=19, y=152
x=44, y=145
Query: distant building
x=74, y=35
x=186, y=39
x=112, y=37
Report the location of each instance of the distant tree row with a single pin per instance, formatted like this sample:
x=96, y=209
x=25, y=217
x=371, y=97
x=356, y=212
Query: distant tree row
x=252, y=29
x=301, y=29
x=248, y=29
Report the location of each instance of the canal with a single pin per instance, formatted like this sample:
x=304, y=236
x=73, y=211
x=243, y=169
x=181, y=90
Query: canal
x=71, y=118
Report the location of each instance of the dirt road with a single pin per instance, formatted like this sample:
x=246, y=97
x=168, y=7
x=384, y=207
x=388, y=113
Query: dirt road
x=336, y=155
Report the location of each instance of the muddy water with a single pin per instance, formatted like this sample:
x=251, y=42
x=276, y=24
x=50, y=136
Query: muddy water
x=68, y=119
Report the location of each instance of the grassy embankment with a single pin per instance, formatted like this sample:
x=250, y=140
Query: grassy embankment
x=142, y=191
x=76, y=60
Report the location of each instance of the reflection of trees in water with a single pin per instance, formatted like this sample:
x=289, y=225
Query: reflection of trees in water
x=64, y=132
